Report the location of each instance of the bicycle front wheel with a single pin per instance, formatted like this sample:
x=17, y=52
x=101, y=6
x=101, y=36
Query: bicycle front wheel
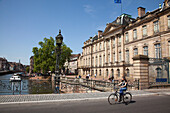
x=112, y=99
x=127, y=98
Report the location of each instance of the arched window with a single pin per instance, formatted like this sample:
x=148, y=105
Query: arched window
x=118, y=72
x=127, y=73
x=107, y=72
x=92, y=72
x=96, y=71
x=96, y=61
x=100, y=60
x=159, y=72
x=100, y=72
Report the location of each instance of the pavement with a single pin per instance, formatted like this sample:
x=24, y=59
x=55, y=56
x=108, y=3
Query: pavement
x=38, y=98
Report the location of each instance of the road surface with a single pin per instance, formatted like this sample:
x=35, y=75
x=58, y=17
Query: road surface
x=140, y=104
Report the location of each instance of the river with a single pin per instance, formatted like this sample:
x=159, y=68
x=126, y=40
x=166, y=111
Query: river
x=27, y=86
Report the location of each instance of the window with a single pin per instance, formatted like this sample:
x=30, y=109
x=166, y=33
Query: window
x=104, y=58
x=127, y=56
x=100, y=60
x=114, y=57
x=159, y=72
x=135, y=51
x=108, y=58
x=156, y=26
x=169, y=21
x=145, y=50
x=118, y=72
x=100, y=46
x=100, y=72
x=96, y=47
x=127, y=73
x=108, y=44
x=96, y=61
x=113, y=42
x=86, y=62
x=144, y=29
x=120, y=58
x=157, y=50
x=96, y=71
x=107, y=72
x=104, y=44
x=126, y=37
x=119, y=40
x=112, y=73
x=134, y=34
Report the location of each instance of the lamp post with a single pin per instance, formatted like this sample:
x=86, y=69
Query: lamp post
x=59, y=41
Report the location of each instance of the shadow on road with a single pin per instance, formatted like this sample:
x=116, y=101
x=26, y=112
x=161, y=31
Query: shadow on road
x=130, y=102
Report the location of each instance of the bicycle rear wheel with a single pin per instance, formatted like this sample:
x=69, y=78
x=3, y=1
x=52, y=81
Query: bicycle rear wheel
x=113, y=99
x=127, y=98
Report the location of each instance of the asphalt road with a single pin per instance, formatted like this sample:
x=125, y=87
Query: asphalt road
x=140, y=104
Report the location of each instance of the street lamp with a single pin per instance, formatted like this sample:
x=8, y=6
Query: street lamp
x=59, y=41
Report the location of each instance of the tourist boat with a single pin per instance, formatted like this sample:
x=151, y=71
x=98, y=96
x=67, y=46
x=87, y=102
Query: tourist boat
x=15, y=77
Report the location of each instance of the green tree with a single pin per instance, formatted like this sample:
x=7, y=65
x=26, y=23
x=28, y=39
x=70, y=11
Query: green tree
x=45, y=56
x=27, y=69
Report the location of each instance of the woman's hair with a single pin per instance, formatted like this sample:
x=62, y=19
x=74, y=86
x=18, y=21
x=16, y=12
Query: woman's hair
x=124, y=78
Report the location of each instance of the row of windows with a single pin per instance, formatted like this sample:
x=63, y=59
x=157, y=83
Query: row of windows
x=144, y=30
x=95, y=47
x=95, y=72
x=127, y=72
x=145, y=52
x=127, y=57
x=144, y=33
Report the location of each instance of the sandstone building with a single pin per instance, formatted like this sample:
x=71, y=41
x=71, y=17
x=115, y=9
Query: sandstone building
x=110, y=52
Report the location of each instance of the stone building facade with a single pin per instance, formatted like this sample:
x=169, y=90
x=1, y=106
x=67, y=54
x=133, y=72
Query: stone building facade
x=111, y=52
x=71, y=67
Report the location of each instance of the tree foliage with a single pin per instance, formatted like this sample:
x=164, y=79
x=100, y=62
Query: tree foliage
x=45, y=56
x=27, y=69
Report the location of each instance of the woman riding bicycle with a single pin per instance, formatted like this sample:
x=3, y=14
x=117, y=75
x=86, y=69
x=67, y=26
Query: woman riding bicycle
x=123, y=85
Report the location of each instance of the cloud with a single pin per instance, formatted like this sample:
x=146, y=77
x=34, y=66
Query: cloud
x=89, y=9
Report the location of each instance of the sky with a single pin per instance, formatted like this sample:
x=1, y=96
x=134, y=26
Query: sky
x=24, y=23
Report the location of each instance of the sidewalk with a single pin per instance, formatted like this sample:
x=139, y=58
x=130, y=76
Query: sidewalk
x=12, y=99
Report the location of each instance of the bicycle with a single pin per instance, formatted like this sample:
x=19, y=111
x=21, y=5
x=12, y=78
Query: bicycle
x=113, y=98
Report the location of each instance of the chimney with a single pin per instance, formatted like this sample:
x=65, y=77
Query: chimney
x=141, y=11
x=99, y=33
